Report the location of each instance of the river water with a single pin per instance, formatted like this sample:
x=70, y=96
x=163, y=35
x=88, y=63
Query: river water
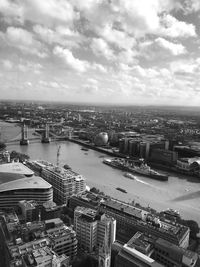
x=180, y=192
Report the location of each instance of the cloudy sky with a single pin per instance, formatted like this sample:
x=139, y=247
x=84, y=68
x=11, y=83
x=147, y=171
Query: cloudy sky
x=109, y=51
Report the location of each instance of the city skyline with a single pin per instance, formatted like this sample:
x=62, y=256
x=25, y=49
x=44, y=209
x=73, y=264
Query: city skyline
x=108, y=51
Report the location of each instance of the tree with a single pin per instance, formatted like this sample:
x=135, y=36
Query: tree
x=18, y=156
x=2, y=146
x=94, y=190
x=193, y=225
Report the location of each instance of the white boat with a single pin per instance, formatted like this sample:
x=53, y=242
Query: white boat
x=129, y=175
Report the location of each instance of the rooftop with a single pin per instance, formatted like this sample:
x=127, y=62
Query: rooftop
x=60, y=231
x=16, y=168
x=126, y=208
x=11, y=181
x=86, y=213
x=31, y=204
x=17, y=250
x=50, y=205
x=140, y=241
x=132, y=253
x=173, y=229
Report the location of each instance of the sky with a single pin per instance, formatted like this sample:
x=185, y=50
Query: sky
x=140, y=52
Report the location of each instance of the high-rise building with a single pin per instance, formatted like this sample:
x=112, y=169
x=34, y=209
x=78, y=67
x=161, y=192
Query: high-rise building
x=85, y=226
x=91, y=228
x=65, y=182
x=17, y=182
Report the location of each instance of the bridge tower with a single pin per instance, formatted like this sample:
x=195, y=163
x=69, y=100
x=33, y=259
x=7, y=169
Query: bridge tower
x=24, y=131
x=45, y=137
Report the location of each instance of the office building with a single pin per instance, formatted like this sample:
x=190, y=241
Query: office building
x=164, y=156
x=171, y=255
x=49, y=210
x=85, y=226
x=17, y=182
x=86, y=199
x=29, y=209
x=131, y=219
x=91, y=228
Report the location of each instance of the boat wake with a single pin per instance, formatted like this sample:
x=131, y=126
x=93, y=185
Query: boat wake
x=140, y=181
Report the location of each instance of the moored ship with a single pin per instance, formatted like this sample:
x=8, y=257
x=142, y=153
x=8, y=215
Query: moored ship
x=142, y=169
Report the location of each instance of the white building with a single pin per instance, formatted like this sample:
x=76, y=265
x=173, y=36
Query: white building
x=65, y=182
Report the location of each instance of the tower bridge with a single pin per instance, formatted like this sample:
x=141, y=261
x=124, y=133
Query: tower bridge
x=24, y=131
x=24, y=135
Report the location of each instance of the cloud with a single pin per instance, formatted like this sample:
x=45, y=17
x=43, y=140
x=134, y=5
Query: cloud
x=175, y=49
x=11, y=11
x=174, y=28
x=99, y=67
x=101, y=48
x=186, y=67
x=160, y=49
x=69, y=59
x=8, y=65
x=28, y=66
x=50, y=13
x=60, y=35
x=111, y=43
x=91, y=87
x=49, y=84
x=127, y=56
x=191, y=6
x=119, y=38
x=23, y=40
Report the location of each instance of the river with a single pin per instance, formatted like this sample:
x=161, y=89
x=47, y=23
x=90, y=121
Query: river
x=180, y=192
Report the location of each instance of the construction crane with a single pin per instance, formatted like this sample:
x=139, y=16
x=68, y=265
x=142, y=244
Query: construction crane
x=58, y=156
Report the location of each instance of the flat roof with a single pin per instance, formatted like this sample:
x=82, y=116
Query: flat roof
x=15, y=168
x=124, y=207
x=140, y=256
x=10, y=181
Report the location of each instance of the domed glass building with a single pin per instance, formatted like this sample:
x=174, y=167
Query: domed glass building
x=101, y=139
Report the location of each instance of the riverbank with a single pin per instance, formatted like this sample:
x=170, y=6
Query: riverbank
x=170, y=170
x=178, y=192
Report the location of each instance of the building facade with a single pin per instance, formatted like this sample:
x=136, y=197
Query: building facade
x=65, y=182
x=92, y=227
x=131, y=219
